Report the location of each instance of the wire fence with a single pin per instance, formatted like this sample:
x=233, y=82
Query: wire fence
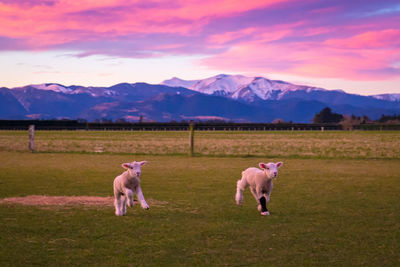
x=315, y=144
x=184, y=126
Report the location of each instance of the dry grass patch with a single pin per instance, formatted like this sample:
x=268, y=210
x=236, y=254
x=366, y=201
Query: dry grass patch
x=35, y=200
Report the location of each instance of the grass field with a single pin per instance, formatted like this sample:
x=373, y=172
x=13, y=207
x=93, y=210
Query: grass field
x=310, y=144
x=336, y=209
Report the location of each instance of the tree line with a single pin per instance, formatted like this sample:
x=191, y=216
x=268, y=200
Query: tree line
x=327, y=116
x=348, y=122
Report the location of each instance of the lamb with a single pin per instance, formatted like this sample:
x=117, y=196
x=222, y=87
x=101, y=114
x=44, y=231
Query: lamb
x=260, y=183
x=125, y=185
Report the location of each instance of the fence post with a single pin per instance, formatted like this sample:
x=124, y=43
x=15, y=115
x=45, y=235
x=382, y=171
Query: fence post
x=31, y=138
x=191, y=138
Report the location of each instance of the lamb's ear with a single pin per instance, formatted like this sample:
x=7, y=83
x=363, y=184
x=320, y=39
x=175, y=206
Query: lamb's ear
x=125, y=165
x=278, y=164
x=142, y=163
x=262, y=165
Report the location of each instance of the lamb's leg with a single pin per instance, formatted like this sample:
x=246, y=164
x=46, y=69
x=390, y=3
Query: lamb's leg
x=117, y=204
x=240, y=187
x=129, y=196
x=254, y=193
x=268, y=196
x=123, y=198
x=262, y=206
x=141, y=199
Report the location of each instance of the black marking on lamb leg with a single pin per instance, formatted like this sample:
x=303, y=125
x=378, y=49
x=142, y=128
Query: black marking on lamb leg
x=263, y=203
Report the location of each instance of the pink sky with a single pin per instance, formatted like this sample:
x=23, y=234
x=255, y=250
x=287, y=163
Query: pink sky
x=351, y=45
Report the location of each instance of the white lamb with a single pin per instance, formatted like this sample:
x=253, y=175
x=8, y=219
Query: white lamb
x=125, y=185
x=260, y=183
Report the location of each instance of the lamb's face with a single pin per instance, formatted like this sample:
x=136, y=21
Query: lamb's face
x=133, y=168
x=271, y=169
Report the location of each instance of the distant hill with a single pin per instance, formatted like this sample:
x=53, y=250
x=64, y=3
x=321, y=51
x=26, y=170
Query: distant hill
x=227, y=97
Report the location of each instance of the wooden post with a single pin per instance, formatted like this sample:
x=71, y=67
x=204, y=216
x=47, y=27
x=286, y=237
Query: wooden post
x=191, y=138
x=31, y=138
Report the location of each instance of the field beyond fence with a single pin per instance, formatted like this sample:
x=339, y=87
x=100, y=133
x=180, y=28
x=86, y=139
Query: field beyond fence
x=307, y=144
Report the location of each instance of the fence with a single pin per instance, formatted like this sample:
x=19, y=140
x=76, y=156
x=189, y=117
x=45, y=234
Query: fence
x=346, y=144
x=181, y=126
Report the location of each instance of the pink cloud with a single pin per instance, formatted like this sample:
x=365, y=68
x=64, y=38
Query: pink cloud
x=308, y=38
x=197, y=9
x=326, y=10
x=223, y=38
x=308, y=59
x=65, y=21
x=258, y=34
x=369, y=40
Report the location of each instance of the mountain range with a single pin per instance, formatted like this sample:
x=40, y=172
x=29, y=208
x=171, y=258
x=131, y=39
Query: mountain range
x=223, y=97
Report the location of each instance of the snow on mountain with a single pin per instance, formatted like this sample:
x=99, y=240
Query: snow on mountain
x=94, y=91
x=221, y=84
x=53, y=87
x=176, y=82
x=240, y=87
x=71, y=90
x=388, y=97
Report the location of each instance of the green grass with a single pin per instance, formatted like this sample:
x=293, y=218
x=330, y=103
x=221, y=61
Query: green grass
x=324, y=211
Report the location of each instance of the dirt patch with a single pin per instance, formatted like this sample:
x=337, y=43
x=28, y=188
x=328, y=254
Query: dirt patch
x=36, y=200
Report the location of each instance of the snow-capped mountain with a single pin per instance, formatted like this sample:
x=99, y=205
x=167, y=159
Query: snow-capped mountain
x=240, y=87
x=388, y=97
x=176, y=82
x=69, y=90
x=52, y=87
x=120, y=90
x=232, y=97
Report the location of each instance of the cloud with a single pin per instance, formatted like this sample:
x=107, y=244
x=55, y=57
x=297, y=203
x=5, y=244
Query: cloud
x=387, y=38
x=58, y=22
x=348, y=58
x=309, y=38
